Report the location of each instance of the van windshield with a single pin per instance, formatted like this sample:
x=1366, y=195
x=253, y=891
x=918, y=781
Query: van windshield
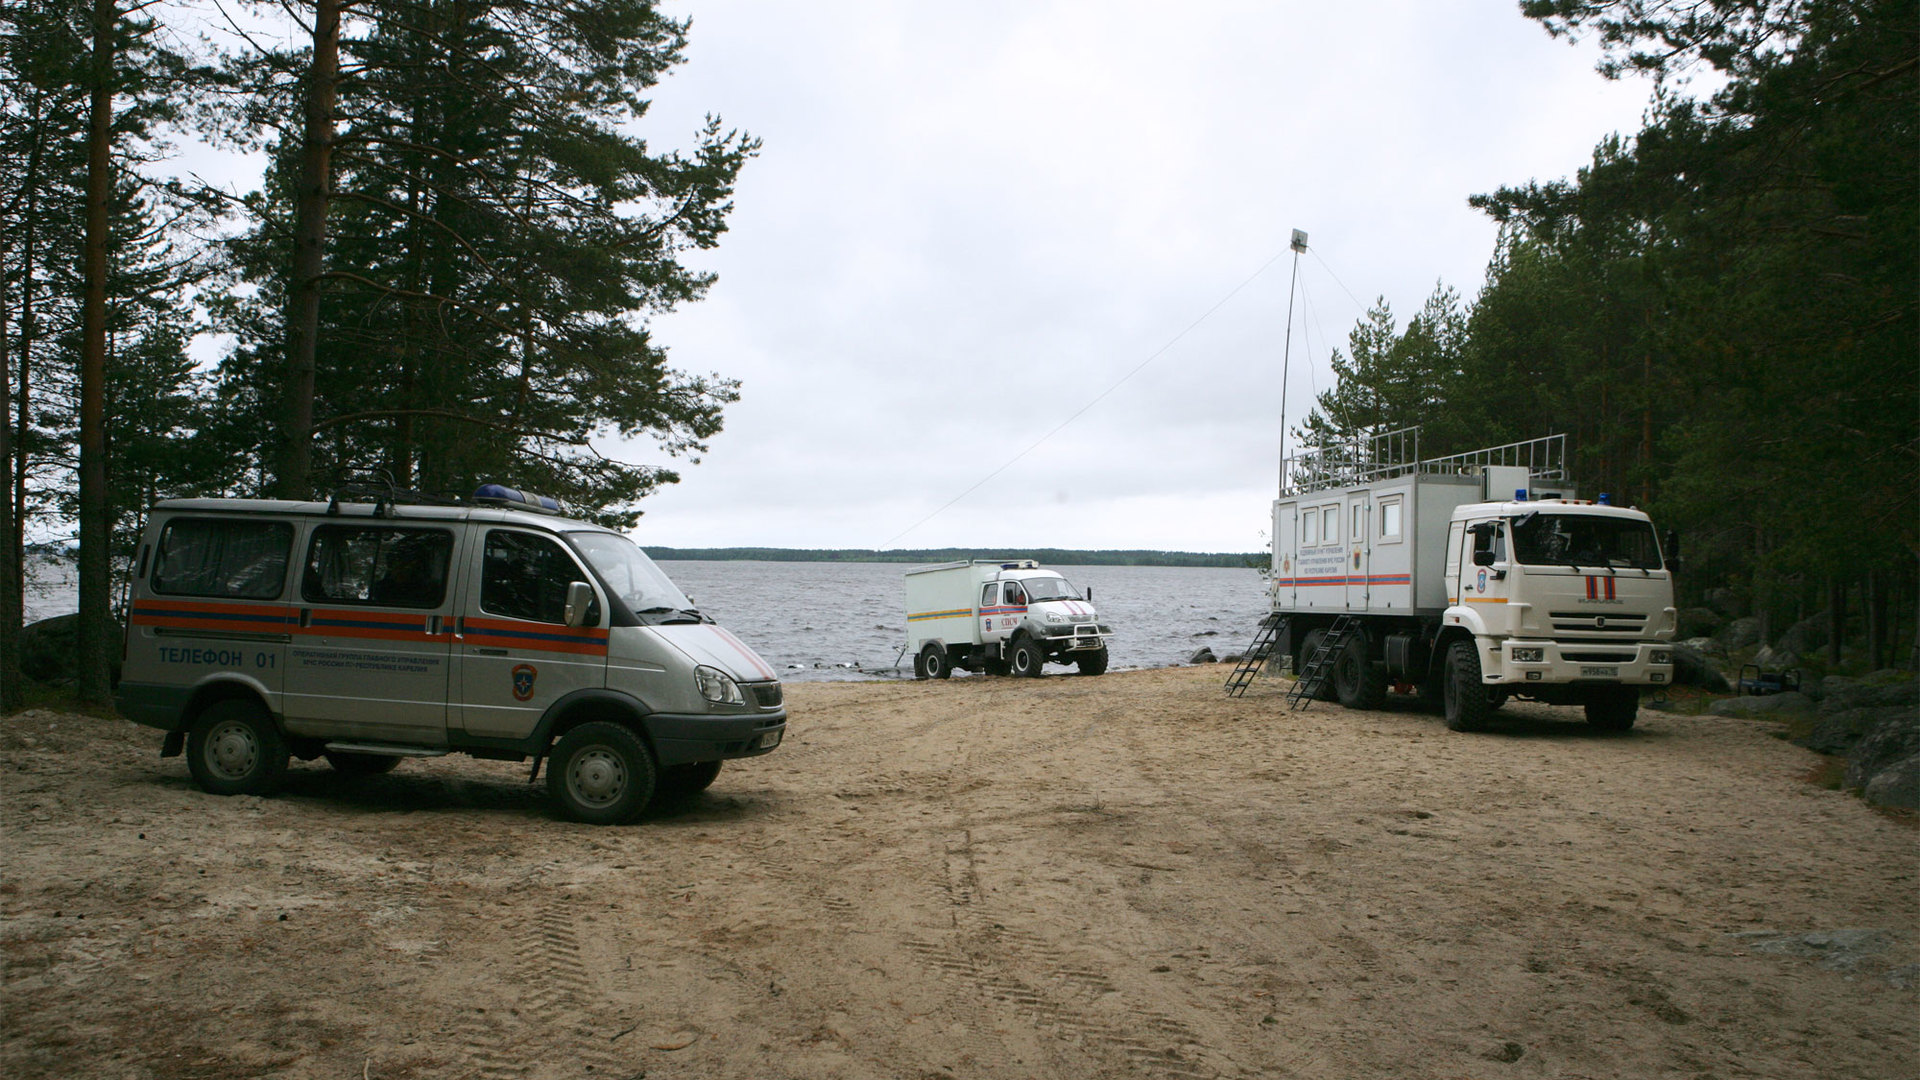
x=629, y=574
x=1048, y=588
x=1584, y=540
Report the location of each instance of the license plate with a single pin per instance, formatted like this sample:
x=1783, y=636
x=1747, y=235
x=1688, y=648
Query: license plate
x=1600, y=672
x=771, y=739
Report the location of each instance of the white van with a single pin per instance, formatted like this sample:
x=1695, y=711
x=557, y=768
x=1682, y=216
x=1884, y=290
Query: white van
x=369, y=632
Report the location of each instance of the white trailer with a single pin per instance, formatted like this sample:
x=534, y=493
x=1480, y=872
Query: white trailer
x=1467, y=579
x=1001, y=616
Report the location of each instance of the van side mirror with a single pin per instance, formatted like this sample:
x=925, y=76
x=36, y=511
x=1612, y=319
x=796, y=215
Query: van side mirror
x=579, y=601
x=1089, y=594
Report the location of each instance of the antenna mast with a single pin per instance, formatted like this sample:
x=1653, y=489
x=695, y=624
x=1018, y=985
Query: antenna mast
x=1298, y=245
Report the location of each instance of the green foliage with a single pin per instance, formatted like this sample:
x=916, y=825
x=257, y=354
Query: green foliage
x=497, y=242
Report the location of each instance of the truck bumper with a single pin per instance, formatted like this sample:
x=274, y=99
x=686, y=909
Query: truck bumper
x=1518, y=662
x=679, y=739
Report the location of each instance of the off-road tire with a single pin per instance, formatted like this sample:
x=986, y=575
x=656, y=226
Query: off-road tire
x=679, y=783
x=601, y=774
x=1467, y=705
x=1308, y=646
x=347, y=763
x=931, y=662
x=1614, y=708
x=1093, y=663
x=1026, y=659
x=234, y=748
x=1357, y=681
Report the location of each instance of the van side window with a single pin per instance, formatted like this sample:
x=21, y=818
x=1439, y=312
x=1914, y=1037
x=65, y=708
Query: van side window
x=353, y=564
x=223, y=557
x=990, y=594
x=523, y=576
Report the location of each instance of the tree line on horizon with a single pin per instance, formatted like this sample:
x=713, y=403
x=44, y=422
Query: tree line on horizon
x=1720, y=313
x=447, y=270
x=1045, y=556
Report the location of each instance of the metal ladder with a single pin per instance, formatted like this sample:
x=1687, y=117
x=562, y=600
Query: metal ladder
x=1256, y=655
x=1318, y=668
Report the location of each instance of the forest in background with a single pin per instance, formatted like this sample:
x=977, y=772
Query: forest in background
x=1046, y=556
x=447, y=272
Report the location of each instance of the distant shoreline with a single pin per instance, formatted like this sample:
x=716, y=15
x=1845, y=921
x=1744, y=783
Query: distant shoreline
x=1046, y=556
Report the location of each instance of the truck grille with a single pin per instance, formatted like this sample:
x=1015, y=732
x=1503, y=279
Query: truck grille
x=1629, y=623
x=767, y=695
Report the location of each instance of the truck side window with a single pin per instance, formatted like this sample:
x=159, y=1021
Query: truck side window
x=1390, y=519
x=223, y=557
x=523, y=576
x=1016, y=594
x=1310, y=528
x=1330, y=525
x=351, y=564
x=990, y=594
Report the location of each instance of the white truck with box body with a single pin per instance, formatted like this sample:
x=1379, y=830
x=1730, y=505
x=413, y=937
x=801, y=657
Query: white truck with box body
x=1000, y=616
x=1468, y=579
x=371, y=632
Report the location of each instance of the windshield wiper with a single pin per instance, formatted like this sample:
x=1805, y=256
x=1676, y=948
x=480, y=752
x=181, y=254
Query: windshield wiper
x=688, y=615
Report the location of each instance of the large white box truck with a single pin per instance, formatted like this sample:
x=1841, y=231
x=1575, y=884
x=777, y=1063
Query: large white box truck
x=1468, y=579
x=1000, y=616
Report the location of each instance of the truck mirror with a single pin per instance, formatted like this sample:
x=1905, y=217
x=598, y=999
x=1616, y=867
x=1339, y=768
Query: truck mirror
x=579, y=600
x=1482, y=556
x=1089, y=594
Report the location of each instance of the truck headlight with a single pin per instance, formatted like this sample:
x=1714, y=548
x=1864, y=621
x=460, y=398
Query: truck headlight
x=1532, y=654
x=717, y=686
x=1662, y=656
x=1054, y=618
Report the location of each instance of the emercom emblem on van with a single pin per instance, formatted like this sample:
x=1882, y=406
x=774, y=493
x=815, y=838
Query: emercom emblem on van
x=523, y=676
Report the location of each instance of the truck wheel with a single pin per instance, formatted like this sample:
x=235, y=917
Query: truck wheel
x=601, y=774
x=1468, y=707
x=1614, y=708
x=1308, y=646
x=1026, y=660
x=351, y=764
x=680, y=782
x=1093, y=663
x=1357, y=681
x=932, y=662
x=234, y=749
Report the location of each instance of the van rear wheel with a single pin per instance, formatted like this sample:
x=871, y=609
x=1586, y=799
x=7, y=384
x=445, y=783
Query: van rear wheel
x=932, y=662
x=234, y=749
x=602, y=774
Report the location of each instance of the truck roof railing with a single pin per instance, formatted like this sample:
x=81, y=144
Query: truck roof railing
x=1396, y=453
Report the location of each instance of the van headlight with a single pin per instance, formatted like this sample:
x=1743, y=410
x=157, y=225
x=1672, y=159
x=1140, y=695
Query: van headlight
x=717, y=686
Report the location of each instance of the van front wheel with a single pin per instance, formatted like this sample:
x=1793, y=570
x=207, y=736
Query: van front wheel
x=234, y=749
x=601, y=774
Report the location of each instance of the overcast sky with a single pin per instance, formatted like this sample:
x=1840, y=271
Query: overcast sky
x=972, y=221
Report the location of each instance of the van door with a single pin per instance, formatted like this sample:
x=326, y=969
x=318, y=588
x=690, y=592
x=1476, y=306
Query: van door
x=371, y=649
x=517, y=655
x=209, y=601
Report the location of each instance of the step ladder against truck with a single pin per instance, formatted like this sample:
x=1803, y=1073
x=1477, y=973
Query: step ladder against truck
x=1256, y=654
x=1318, y=667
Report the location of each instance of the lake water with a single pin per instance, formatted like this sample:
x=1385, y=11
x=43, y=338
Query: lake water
x=821, y=620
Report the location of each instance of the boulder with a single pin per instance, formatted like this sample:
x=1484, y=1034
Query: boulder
x=1202, y=655
x=1739, y=633
x=1806, y=636
x=1700, y=622
x=1692, y=668
x=1896, y=785
x=48, y=650
x=1726, y=602
x=1882, y=689
x=1888, y=743
x=1768, y=705
x=1838, y=732
x=1776, y=659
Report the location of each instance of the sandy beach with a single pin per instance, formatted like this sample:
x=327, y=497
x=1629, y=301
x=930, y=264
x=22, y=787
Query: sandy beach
x=1130, y=875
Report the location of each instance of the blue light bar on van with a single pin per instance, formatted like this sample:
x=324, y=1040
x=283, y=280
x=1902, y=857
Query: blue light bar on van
x=515, y=499
x=1606, y=498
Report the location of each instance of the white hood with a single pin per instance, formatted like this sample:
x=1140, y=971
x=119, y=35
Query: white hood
x=715, y=647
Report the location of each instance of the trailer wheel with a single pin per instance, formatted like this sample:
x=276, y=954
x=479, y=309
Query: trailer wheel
x=1093, y=663
x=234, y=749
x=601, y=774
x=932, y=662
x=1359, y=683
x=1027, y=659
x=1468, y=706
x=1614, y=708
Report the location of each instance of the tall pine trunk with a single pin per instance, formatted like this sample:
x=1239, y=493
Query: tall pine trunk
x=11, y=611
x=95, y=587
x=309, y=250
